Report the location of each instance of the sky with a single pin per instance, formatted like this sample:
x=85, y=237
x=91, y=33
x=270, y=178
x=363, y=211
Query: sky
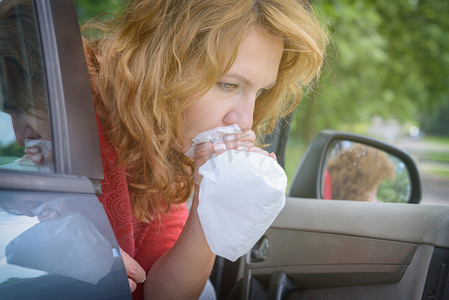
x=6, y=129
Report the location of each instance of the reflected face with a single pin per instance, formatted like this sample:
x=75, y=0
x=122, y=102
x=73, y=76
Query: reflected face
x=232, y=98
x=28, y=126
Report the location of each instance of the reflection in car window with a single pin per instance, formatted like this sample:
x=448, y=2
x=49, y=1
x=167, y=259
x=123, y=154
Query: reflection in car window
x=58, y=241
x=25, y=133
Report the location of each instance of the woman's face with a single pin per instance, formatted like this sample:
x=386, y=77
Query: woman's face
x=28, y=126
x=232, y=98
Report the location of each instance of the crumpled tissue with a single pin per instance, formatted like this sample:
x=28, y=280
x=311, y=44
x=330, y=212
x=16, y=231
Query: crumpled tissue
x=214, y=135
x=240, y=195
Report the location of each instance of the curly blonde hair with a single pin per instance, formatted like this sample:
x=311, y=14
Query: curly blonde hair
x=159, y=56
x=356, y=171
x=22, y=83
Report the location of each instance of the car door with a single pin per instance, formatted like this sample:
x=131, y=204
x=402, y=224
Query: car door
x=55, y=238
x=339, y=249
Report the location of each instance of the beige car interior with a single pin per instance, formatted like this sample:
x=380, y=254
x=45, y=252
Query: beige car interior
x=350, y=250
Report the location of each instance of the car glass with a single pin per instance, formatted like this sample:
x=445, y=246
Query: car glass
x=54, y=244
x=359, y=172
x=25, y=132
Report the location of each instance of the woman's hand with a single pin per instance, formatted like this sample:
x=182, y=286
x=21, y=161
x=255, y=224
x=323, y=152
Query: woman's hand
x=241, y=141
x=33, y=154
x=136, y=273
x=189, y=262
x=38, y=154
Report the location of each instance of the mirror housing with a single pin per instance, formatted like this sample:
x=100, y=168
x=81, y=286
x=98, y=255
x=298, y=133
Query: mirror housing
x=308, y=179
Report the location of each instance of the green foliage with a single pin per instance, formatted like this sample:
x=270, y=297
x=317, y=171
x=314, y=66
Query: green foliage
x=293, y=153
x=397, y=190
x=13, y=149
x=439, y=172
x=437, y=156
x=439, y=122
x=438, y=140
x=88, y=9
x=10, y=153
x=387, y=58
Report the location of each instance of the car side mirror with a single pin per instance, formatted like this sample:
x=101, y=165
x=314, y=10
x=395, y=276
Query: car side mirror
x=346, y=166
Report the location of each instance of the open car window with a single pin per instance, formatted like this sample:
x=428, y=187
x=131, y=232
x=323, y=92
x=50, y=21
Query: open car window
x=24, y=106
x=55, y=239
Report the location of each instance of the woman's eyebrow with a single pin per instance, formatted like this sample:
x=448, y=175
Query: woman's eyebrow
x=246, y=80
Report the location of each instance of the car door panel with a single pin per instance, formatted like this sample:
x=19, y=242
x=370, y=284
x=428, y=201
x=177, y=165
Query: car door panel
x=350, y=250
x=13, y=180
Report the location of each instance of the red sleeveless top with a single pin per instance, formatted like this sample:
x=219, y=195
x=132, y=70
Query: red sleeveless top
x=145, y=242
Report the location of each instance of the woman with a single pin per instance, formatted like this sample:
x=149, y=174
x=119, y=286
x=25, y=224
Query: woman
x=356, y=172
x=166, y=70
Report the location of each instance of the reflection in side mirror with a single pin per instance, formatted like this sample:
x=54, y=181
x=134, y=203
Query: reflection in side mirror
x=355, y=171
x=312, y=178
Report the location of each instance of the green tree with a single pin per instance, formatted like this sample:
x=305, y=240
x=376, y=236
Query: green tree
x=387, y=58
x=88, y=9
x=13, y=149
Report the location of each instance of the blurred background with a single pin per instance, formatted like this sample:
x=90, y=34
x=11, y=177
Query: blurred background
x=386, y=76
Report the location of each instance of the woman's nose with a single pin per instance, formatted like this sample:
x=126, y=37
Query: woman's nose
x=242, y=113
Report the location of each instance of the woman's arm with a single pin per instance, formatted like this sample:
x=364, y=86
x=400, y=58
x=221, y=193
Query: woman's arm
x=182, y=272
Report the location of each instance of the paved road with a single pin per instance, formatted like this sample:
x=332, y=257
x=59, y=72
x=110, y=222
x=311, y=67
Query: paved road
x=435, y=188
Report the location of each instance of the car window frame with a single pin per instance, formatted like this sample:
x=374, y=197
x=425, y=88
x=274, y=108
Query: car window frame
x=77, y=157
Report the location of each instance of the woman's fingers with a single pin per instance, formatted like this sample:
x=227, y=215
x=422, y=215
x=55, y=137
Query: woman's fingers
x=132, y=285
x=32, y=150
x=241, y=142
x=202, y=154
x=244, y=136
x=136, y=274
x=34, y=154
x=37, y=158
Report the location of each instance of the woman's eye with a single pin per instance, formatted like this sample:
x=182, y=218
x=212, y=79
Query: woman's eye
x=228, y=87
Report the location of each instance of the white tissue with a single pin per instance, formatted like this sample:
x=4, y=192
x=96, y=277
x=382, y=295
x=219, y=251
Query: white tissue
x=240, y=195
x=213, y=135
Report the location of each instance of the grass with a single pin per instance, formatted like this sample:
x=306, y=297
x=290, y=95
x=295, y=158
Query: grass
x=437, y=139
x=7, y=159
x=437, y=156
x=440, y=172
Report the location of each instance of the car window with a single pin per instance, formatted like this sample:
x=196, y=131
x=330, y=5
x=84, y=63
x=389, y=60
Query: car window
x=25, y=139
x=386, y=77
x=55, y=238
x=59, y=241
